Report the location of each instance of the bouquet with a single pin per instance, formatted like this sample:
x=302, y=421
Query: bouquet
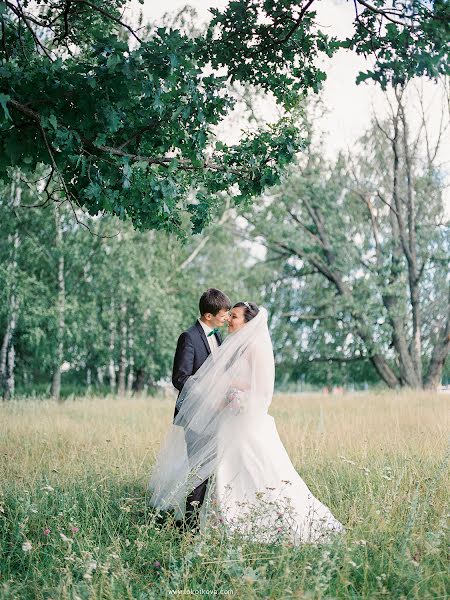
x=234, y=399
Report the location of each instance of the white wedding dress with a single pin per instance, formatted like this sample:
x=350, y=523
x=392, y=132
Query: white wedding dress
x=254, y=490
x=257, y=492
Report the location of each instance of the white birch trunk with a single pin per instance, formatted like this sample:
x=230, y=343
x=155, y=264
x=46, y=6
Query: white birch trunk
x=130, y=379
x=112, y=343
x=56, y=380
x=100, y=375
x=123, y=350
x=7, y=353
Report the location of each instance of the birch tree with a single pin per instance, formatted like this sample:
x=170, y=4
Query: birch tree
x=363, y=250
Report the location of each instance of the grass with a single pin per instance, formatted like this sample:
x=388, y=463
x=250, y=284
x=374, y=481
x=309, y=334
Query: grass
x=74, y=522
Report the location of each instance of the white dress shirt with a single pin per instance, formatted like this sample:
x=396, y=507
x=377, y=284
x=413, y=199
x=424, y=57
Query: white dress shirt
x=212, y=340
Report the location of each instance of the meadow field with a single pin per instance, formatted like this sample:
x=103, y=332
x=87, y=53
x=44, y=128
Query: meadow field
x=75, y=524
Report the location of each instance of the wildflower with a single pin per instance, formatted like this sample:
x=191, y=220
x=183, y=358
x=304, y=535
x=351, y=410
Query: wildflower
x=47, y=488
x=90, y=567
x=46, y=531
x=27, y=546
x=157, y=564
x=195, y=502
x=75, y=529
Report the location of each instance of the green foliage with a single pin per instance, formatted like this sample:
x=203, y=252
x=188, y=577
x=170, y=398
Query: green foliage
x=408, y=42
x=123, y=290
x=339, y=291
x=125, y=124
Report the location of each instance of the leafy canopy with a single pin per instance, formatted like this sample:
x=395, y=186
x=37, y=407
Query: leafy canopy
x=124, y=120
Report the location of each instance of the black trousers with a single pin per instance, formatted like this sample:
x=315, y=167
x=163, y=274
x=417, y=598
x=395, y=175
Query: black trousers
x=197, y=494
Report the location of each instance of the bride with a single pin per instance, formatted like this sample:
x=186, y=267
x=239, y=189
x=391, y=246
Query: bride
x=224, y=433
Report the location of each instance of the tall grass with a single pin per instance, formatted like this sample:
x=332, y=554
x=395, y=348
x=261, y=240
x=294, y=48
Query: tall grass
x=74, y=520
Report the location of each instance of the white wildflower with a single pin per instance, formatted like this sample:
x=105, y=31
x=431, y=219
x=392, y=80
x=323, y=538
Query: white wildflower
x=90, y=567
x=47, y=488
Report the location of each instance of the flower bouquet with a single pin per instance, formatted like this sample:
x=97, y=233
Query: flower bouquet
x=234, y=399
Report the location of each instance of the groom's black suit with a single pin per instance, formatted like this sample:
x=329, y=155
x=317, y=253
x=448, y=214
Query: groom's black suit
x=192, y=351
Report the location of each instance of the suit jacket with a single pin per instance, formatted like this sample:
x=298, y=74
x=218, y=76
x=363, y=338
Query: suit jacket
x=192, y=351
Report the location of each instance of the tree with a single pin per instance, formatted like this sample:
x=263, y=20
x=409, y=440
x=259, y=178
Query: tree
x=124, y=121
x=100, y=308
x=363, y=250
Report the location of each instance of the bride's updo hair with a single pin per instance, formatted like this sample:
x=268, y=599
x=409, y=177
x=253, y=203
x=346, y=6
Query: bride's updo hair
x=250, y=310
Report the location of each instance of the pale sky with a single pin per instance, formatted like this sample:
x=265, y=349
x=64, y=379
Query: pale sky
x=350, y=106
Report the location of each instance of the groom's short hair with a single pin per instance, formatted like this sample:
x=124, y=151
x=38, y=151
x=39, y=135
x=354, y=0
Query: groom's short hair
x=212, y=301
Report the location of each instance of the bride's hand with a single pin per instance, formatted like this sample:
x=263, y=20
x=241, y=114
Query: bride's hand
x=240, y=385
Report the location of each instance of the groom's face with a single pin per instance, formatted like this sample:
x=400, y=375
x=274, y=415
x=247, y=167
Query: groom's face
x=217, y=320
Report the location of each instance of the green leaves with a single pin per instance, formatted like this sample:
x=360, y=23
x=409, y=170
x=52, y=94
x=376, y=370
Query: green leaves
x=416, y=44
x=155, y=102
x=53, y=122
x=3, y=101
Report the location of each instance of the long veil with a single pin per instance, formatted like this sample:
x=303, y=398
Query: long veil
x=235, y=384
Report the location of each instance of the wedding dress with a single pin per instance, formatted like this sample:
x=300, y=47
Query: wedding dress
x=223, y=432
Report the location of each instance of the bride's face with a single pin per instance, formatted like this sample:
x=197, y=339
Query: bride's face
x=236, y=320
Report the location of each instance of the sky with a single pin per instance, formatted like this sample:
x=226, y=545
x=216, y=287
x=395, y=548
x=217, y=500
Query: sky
x=349, y=106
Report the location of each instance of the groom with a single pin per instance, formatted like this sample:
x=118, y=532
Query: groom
x=193, y=348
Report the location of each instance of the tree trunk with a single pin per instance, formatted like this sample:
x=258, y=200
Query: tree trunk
x=123, y=350
x=112, y=343
x=410, y=242
x=7, y=360
x=7, y=353
x=56, y=379
x=408, y=367
x=8, y=350
x=139, y=381
x=130, y=378
x=385, y=371
x=100, y=375
x=439, y=355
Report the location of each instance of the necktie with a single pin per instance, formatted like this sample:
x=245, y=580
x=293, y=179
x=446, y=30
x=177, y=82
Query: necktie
x=216, y=330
